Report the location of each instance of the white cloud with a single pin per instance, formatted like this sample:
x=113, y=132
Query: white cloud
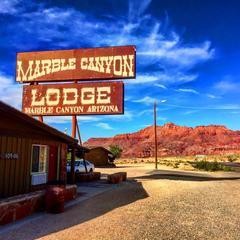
x=149, y=100
x=167, y=79
x=160, y=86
x=227, y=107
x=189, y=112
x=10, y=92
x=212, y=96
x=146, y=78
x=187, y=90
x=145, y=126
x=147, y=111
x=145, y=100
x=68, y=119
x=216, y=107
x=57, y=119
x=227, y=85
x=162, y=119
x=105, y=126
x=163, y=52
x=156, y=46
x=137, y=8
x=175, y=54
x=127, y=116
x=150, y=111
x=88, y=118
x=127, y=98
x=9, y=6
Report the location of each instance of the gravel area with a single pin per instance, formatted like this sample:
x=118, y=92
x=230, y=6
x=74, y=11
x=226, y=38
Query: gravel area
x=163, y=204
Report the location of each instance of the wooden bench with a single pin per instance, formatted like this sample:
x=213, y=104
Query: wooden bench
x=87, y=177
x=117, y=177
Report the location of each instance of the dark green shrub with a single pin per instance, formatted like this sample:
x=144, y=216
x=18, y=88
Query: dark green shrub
x=208, y=166
x=176, y=165
x=227, y=169
x=115, y=150
x=232, y=158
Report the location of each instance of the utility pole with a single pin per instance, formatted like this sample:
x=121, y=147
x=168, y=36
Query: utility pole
x=155, y=132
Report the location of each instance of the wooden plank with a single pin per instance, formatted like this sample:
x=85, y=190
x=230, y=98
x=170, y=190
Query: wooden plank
x=98, y=98
x=77, y=64
x=2, y=142
x=3, y=150
x=28, y=167
x=17, y=184
x=21, y=167
x=7, y=167
x=12, y=164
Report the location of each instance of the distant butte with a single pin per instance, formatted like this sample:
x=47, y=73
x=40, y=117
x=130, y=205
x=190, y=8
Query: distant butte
x=174, y=140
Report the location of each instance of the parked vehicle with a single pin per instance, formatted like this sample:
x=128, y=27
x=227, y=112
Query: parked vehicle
x=79, y=166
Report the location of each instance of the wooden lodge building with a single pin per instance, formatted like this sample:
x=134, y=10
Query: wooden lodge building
x=32, y=153
x=99, y=156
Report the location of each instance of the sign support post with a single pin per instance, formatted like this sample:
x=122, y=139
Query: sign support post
x=74, y=123
x=79, y=135
x=40, y=118
x=74, y=129
x=74, y=120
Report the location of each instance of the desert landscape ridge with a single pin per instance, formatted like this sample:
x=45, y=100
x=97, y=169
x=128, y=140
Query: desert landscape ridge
x=174, y=140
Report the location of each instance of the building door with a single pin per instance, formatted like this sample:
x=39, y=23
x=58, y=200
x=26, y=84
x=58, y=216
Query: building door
x=52, y=163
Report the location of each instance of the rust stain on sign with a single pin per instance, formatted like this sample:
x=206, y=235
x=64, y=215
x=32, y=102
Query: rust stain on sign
x=73, y=99
x=78, y=64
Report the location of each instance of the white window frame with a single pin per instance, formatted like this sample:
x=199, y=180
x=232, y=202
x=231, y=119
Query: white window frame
x=46, y=160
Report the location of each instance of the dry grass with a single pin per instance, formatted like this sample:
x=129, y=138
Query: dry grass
x=188, y=162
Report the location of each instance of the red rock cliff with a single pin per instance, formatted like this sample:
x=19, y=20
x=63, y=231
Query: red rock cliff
x=174, y=140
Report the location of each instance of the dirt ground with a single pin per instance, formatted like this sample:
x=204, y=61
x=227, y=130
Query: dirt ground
x=163, y=204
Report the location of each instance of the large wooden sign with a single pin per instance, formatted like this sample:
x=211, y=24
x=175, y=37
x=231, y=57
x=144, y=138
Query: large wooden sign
x=77, y=64
x=73, y=99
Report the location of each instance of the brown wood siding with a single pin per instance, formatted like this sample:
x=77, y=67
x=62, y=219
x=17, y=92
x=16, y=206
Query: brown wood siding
x=97, y=156
x=15, y=174
x=18, y=132
x=2, y=164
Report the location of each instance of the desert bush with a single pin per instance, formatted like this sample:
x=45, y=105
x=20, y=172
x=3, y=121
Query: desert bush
x=211, y=166
x=115, y=150
x=207, y=166
x=232, y=157
x=176, y=164
x=227, y=168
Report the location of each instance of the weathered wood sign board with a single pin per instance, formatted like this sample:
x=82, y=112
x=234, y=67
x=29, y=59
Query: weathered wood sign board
x=78, y=64
x=73, y=99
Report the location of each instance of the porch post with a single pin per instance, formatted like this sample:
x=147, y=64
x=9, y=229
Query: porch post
x=73, y=165
x=84, y=162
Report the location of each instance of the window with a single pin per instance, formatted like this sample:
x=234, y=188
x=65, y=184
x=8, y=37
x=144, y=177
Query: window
x=78, y=163
x=39, y=158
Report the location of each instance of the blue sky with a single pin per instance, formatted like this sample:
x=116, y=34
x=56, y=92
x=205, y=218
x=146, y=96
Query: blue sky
x=188, y=55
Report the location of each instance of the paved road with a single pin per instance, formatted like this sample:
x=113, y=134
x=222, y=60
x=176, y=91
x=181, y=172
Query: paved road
x=163, y=204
